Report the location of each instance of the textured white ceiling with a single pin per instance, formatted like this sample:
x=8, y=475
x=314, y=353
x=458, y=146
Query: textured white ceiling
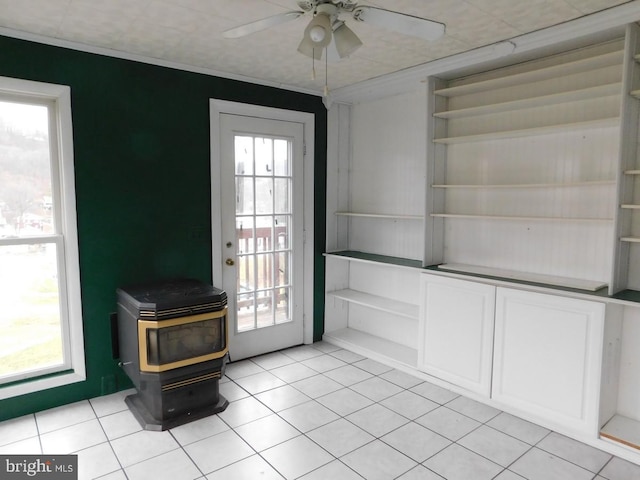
x=190, y=32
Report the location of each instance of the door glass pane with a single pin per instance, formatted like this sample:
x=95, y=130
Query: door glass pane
x=281, y=158
x=282, y=310
x=263, y=260
x=264, y=156
x=264, y=234
x=264, y=314
x=245, y=238
x=281, y=231
x=244, y=155
x=246, y=312
x=282, y=268
x=246, y=274
x=264, y=264
x=264, y=195
x=244, y=195
x=282, y=195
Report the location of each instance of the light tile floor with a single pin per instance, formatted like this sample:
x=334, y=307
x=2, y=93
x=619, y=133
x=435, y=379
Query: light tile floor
x=314, y=412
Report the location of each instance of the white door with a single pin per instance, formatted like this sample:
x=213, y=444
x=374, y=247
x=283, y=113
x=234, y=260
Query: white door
x=262, y=204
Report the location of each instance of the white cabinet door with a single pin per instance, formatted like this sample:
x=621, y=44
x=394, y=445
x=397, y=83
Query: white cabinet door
x=456, y=331
x=547, y=357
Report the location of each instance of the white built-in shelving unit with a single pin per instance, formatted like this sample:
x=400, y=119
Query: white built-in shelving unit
x=526, y=178
x=522, y=180
x=375, y=253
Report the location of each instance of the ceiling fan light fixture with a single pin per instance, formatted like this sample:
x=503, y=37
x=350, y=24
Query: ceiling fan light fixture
x=318, y=32
x=307, y=48
x=346, y=41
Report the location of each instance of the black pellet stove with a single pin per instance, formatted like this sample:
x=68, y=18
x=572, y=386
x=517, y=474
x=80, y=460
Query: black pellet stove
x=173, y=345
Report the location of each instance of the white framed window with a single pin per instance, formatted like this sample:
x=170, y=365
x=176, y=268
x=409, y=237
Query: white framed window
x=41, y=341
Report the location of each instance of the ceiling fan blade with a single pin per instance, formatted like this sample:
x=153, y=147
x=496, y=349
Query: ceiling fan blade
x=400, y=22
x=253, y=27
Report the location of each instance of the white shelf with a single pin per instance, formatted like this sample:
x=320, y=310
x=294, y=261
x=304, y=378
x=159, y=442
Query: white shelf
x=630, y=239
x=630, y=206
x=577, y=66
x=372, y=258
x=622, y=430
x=554, y=280
x=388, y=305
x=532, y=102
x=632, y=172
x=380, y=215
x=532, y=185
x=528, y=132
x=521, y=218
x=372, y=346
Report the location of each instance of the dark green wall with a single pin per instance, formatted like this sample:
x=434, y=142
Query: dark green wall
x=142, y=154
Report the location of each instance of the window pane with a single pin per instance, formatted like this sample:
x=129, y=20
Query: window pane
x=281, y=158
x=264, y=195
x=264, y=234
x=26, y=205
x=245, y=239
x=244, y=155
x=282, y=195
x=246, y=312
x=282, y=311
x=264, y=263
x=30, y=315
x=264, y=156
x=41, y=314
x=244, y=195
x=282, y=231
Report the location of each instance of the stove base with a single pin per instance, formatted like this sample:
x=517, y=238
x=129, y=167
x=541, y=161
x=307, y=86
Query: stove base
x=148, y=422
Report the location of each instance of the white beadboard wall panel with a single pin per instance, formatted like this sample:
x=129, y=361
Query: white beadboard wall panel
x=338, y=152
x=386, y=236
x=573, y=250
x=571, y=57
x=564, y=202
x=558, y=158
x=611, y=353
x=336, y=278
x=629, y=390
x=388, y=165
x=570, y=82
x=384, y=325
x=633, y=282
x=574, y=112
x=394, y=283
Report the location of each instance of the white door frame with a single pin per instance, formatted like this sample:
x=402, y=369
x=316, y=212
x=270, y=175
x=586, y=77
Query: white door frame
x=220, y=107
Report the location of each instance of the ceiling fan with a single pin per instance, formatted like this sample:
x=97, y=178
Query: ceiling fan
x=327, y=29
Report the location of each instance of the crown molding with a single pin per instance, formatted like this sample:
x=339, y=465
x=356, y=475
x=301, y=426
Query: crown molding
x=599, y=26
x=56, y=42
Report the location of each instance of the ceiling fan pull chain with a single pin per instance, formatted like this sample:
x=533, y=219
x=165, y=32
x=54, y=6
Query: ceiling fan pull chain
x=326, y=74
x=313, y=66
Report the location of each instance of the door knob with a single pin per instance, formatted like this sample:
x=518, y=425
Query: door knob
x=230, y=262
